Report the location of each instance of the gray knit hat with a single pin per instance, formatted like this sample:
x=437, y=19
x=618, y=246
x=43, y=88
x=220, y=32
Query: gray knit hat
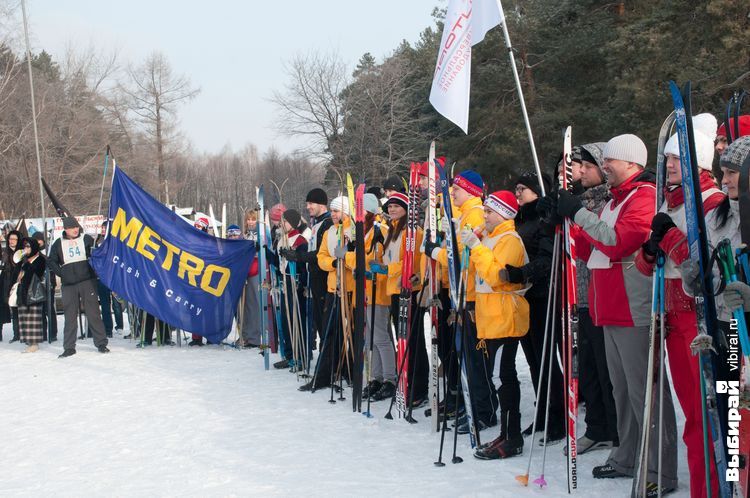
x=627, y=148
x=371, y=203
x=736, y=153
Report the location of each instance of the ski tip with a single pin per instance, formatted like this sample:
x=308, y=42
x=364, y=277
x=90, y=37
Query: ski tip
x=540, y=481
x=524, y=479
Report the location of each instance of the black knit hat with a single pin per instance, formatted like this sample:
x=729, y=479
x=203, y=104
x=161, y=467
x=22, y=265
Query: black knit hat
x=69, y=222
x=376, y=191
x=394, y=182
x=293, y=217
x=33, y=244
x=317, y=196
x=530, y=180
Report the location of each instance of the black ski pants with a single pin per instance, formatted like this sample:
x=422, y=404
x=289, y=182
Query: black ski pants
x=594, y=383
x=532, y=344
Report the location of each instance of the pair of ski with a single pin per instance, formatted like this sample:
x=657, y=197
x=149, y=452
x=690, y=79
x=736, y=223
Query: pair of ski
x=564, y=274
x=268, y=344
x=458, y=274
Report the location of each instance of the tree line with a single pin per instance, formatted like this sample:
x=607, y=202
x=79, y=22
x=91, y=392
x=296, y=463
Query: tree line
x=600, y=66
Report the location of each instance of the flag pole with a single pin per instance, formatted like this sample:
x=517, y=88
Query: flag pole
x=520, y=96
x=33, y=114
x=104, y=178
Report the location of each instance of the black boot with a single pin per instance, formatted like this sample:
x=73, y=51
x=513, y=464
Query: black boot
x=67, y=352
x=371, y=388
x=386, y=391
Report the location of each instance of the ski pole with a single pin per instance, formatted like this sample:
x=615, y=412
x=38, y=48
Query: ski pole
x=524, y=478
x=550, y=362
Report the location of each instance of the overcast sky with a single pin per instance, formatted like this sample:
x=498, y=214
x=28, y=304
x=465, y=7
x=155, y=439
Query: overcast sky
x=234, y=51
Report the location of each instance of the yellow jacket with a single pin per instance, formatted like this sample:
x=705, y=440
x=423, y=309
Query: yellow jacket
x=501, y=309
x=326, y=258
x=471, y=213
x=381, y=297
x=395, y=262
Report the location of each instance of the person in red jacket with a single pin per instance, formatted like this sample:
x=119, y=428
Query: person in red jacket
x=620, y=302
x=668, y=233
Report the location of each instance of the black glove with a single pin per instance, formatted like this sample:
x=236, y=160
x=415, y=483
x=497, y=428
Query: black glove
x=660, y=225
x=514, y=274
x=546, y=207
x=650, y=247
x=351, y=246
x=429, y=246
x=568, y=204
x=289, y=254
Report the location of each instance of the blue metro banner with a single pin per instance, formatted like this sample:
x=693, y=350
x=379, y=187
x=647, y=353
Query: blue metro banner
x=155, y=260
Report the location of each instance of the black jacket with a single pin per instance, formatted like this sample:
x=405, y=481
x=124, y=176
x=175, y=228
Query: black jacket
x=71, y=273
x=317, y=278
x=37, y=267
x=538, y=239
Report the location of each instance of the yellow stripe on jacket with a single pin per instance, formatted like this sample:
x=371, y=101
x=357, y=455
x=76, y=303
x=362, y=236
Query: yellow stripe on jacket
x=504, y=312
x=326, y=257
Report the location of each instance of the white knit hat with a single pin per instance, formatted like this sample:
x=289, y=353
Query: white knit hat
x=628, y=148
x=704, y=148
x=340, y=203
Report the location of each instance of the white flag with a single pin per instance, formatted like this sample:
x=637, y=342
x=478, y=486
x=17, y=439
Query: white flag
x=466, y=24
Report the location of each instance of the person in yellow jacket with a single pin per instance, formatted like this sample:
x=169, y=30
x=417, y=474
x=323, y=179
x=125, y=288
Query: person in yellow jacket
x=502, y=318
x=394, y=248
x=466, y=200
x=382, y=361
x=330, y=255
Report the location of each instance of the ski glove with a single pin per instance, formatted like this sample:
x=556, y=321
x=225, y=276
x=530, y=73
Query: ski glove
x=379, y=268
x=430, y=248
x=289, y=254
x=660, y=225
x=469, y=238
x=736, y=295
x=568, y=204
x=691, y=277
x=339, y=252
x=546, y=208
x=512, y=274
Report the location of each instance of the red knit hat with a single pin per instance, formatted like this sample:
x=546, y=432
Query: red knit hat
x=744, y=127
x=504, y=203
x=201, y=223
x=397, y=198
x=276, y=212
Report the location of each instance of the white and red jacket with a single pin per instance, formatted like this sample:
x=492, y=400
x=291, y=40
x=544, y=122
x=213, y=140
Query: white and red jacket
x=674, y=244
x=619, y=295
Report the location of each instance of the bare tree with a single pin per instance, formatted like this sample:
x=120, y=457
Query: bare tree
x=310, y=105
x=155, y=92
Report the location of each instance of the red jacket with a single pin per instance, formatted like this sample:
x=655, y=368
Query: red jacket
x=619, y=295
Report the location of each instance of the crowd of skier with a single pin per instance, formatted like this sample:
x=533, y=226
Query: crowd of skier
x=456, y=276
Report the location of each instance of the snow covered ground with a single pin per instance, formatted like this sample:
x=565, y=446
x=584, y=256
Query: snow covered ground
x=211, y=422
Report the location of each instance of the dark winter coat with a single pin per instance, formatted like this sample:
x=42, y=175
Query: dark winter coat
x=317, y=277
x=71, y=273
x=538, y=239
x=8, y=276
x=36, y=267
